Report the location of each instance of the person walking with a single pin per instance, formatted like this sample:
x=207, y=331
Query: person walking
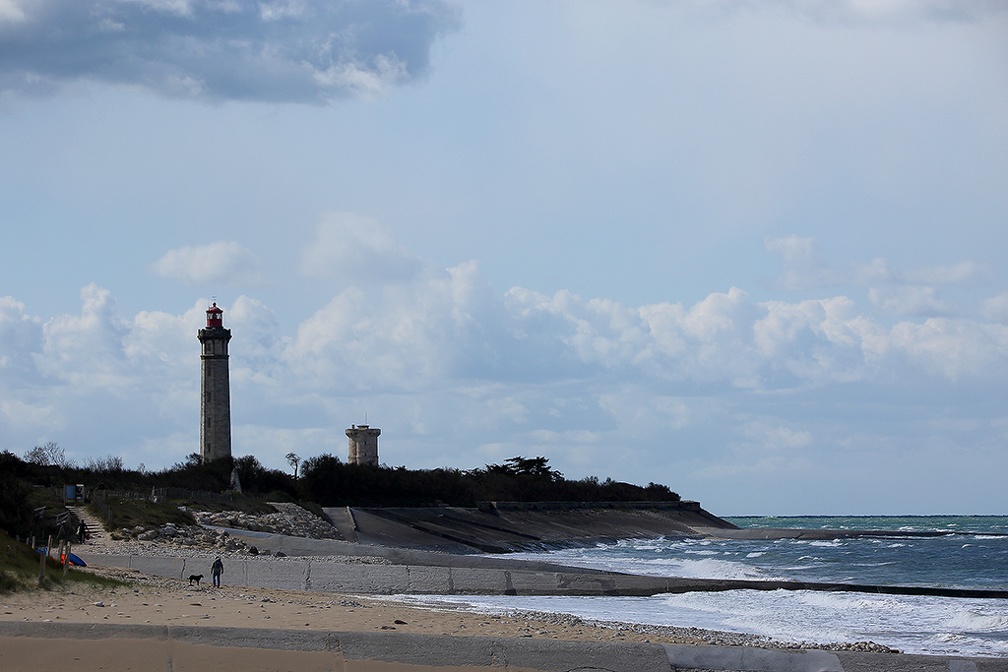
x=216, y=569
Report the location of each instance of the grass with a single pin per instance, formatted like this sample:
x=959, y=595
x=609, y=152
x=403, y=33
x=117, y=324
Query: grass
x=19, y=570
x=131, y=513
x=239, y=502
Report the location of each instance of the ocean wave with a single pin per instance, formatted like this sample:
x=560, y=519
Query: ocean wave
x=977, y=621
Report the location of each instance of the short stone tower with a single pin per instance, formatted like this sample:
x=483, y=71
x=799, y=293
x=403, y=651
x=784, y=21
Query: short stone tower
x=363, y=445
x=215, y=403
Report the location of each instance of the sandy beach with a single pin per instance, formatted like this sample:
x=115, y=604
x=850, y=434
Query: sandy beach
x=168, y=602
x=150, y=620
x=152, y=601
x=332, y=605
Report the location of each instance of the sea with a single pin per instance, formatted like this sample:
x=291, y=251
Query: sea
x=967, y=552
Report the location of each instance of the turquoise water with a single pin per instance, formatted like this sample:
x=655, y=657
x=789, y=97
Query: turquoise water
x=996, y=525
x=970, y=552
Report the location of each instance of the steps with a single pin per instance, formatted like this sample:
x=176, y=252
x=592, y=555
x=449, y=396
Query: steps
x=98, y=535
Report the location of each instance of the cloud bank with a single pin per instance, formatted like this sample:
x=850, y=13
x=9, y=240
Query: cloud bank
x=282, y=51
x=459, y=374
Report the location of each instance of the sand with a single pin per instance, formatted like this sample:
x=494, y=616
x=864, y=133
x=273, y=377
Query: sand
x=149, y=601
x=169, y=602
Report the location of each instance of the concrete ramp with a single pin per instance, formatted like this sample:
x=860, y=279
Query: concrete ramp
x=342, y=519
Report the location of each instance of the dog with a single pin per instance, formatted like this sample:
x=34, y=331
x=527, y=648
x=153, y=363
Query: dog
x=195, y=578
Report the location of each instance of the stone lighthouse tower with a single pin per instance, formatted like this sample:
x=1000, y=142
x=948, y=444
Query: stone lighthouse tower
x=363, y=445
x=215, y=402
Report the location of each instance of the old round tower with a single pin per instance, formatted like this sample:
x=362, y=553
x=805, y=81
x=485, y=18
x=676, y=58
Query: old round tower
x=363, y=444
x=215, y=402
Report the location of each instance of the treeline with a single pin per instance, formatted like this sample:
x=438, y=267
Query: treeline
x=324, y=480
x=330, y=482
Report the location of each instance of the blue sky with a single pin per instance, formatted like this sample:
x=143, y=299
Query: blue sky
x=754, y=251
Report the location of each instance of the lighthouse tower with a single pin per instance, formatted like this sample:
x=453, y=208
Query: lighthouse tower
x=215, y=402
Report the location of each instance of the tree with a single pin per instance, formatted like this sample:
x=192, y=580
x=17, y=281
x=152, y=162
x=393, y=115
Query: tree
x=50, y=454
x=107, y=464
x=294, y=461
x=536, y=467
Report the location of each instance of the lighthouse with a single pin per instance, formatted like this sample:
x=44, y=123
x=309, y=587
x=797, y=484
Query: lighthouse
x=215, y=400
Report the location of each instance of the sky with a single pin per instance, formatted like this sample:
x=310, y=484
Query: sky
x=751, y=250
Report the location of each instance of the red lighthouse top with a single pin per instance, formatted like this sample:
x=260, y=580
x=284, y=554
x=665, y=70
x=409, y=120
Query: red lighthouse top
x=214, y=317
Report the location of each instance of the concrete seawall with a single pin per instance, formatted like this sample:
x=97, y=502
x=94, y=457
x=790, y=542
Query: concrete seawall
x=503, y=527
x=472, y=575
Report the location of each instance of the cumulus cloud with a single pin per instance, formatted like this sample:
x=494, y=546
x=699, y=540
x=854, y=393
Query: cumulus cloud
x=268, y=50
x=458, y=374
x=224, y=263
x=87, y=350
x=953, y=349
x=20, y=336
x=400, y=334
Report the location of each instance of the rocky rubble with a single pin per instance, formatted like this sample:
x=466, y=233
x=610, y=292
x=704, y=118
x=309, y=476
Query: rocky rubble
x=288, y=519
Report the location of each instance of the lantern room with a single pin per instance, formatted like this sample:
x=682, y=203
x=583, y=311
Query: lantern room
x=214, y=317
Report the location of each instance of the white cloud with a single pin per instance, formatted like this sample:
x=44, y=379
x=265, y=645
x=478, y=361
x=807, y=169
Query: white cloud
x=10, y=11
x=226, y=263
x=20, y=338
x=87, y=350
x=439, y=358
x=954, y=349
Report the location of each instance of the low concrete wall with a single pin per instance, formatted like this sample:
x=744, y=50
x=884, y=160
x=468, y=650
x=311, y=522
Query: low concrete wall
x=377, y=579
x=482, y=576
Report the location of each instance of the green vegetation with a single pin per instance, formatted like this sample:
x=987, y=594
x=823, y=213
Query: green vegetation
x=19, y=569
x=121, y=496
x=328, y=481
x=118, y=513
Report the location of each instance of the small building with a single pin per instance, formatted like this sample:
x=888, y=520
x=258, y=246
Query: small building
x=363, y=445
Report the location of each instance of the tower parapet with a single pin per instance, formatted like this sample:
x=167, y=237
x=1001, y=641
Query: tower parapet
x=363, y=444
x=215, y=398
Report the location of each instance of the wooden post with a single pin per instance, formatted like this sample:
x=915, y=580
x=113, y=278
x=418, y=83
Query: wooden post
x=41, y=571
x=66, y=558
